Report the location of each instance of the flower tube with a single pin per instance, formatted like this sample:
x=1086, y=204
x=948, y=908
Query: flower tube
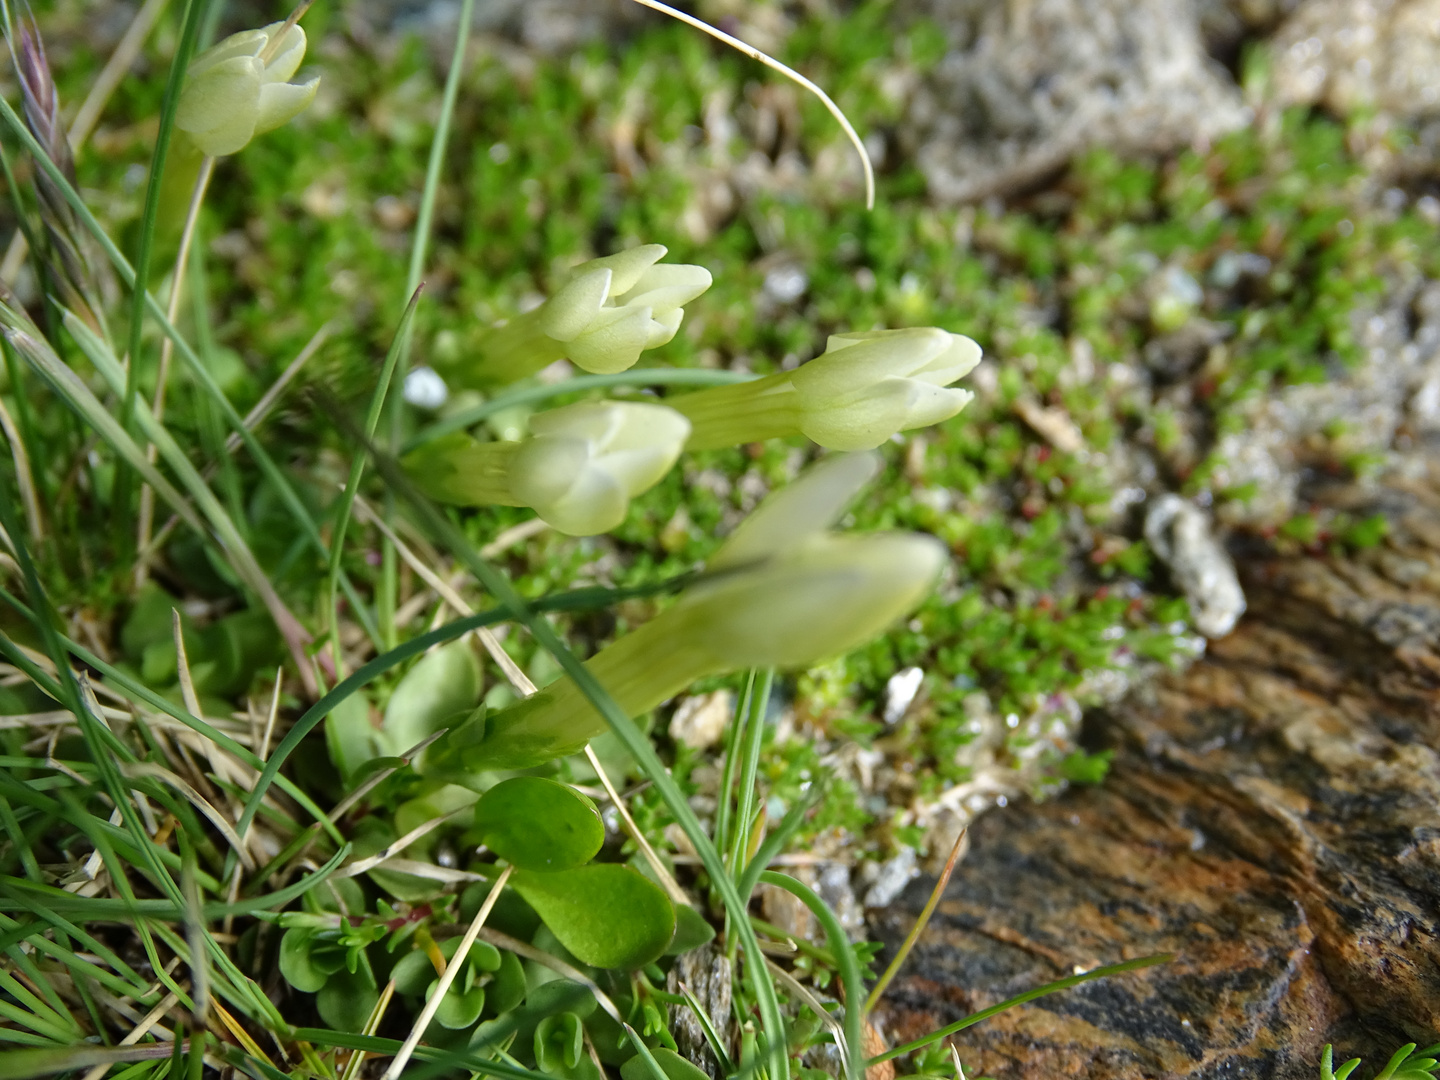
x=608, y=313
x=240, y=88
x=864, y=388
x=579, y=469
x=782, y=591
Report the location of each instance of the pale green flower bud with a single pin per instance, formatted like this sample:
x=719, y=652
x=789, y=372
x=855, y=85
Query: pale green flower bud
x=586, y=462
x=240, y=88
x=783, y=591
x=579, y=469
x=608, y=313
x=864, y=388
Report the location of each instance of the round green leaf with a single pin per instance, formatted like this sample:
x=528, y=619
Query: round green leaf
x=459, y=1008
x=413, y=973
x=606, y=914
x=444, y=683
x=538, y=824
x=691, y=931
x=346, y=1001
x=558, y=1043
x=507, y=989
x=671, y=1064
x=295, y=962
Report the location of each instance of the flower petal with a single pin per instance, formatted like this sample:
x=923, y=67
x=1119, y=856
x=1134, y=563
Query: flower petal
x=282, y=102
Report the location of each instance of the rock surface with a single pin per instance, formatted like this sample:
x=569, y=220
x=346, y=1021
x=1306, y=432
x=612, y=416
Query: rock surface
x=1349, y=54
x=1028, y=84
x=1272, y=818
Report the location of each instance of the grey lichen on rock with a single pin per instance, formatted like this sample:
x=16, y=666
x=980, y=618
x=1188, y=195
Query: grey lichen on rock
x=1028, y=84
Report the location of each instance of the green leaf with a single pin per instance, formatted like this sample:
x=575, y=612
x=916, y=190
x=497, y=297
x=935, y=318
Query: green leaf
x=538, y=824
x=691, y=931
x=459, y=1008
x=510, y=915
x=295, y=963
x=606, y=914
x=413, y=973
x=349, y=736
x=371, y=835
x=558, y=1043
x=442, y=684
x=671, y=1064
x=346, y=1001
x=507, y=989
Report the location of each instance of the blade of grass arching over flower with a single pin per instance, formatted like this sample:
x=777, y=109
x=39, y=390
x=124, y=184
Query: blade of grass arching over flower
x=189, y=34
x=529, y=395
x=233, y=546
x=346, y=503
x=587, y=599
x=385, y=602
x=630, y=736
x=196, y=366
x=849, y=968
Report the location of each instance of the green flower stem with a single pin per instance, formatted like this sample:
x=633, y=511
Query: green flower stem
x=475, y=474
x=639, y=671
x=514, y=351
x=532, y=394
x=723, y=416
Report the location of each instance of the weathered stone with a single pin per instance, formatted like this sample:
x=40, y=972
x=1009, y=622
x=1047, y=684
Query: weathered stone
x=1348, y=54
x=705, y=973
x=1272, y=819
x=1028, y=84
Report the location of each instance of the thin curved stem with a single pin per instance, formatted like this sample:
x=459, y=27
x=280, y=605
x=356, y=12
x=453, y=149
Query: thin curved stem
x=789, y=73
x=162, y=373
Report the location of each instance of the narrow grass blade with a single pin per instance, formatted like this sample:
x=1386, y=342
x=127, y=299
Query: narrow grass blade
x=1020, y=999
x=192, y=360
x=398, y=345
x=845, y=962
x=236, y=550
x=749, y=770
x=878, y=990
x=27, y=1064
x=791, y=74
x=189, y=32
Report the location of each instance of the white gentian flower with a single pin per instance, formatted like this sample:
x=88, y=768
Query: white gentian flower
x=578, y=470
x=608, y=313
x=783, y=590
x=864, y=388
x=240, y=88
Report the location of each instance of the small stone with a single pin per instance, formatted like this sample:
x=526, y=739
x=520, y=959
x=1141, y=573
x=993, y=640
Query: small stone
x=700, y=721
x=891, y=879
x=900, y=691
x=1179, y=533
x=425, y=389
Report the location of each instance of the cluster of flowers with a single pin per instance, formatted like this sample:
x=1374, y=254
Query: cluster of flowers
x=784, y=590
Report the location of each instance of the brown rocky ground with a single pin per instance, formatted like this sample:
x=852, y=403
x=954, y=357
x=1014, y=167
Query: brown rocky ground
x=1273, y=819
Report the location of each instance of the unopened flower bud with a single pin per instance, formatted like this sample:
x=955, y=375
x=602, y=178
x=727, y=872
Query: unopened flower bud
x=782, y=591
x=240, y=88
x=578, y=470
x=864, y=388
x=584, y=463
x=608, y=313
